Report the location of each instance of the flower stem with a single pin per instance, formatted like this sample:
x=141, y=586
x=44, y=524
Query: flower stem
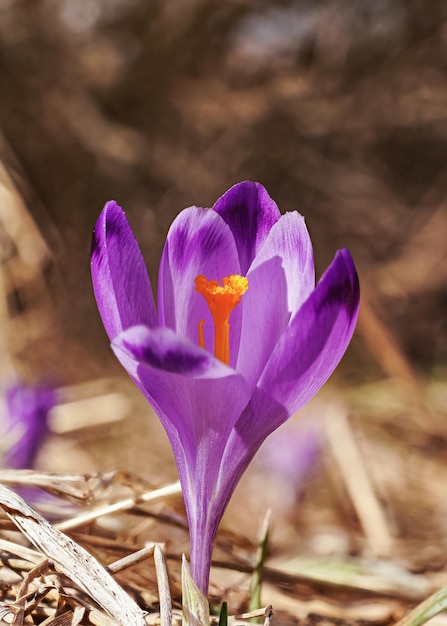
x=201, y=548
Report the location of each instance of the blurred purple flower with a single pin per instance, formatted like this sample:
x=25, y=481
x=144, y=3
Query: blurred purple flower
x=292, y=453
x=285, y=339
x=26, y=420
x=288, y=457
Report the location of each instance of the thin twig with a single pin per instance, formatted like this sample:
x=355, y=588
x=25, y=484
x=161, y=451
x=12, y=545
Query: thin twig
x=119, y=507
x=163, y=587
x=357, y=481
x=131, y=559
x=268, y=615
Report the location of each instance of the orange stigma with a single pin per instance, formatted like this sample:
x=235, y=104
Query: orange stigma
x=221, y=301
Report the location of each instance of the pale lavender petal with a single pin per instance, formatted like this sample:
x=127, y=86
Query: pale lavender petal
x=289, y=239
x=198, y=242
x=265, y=317
x=120, y=280
x=316, y=338
x=250, y=213
x=280, y=279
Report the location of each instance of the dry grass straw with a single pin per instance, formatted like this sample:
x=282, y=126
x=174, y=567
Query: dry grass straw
x=58, y=581
x=48, y=578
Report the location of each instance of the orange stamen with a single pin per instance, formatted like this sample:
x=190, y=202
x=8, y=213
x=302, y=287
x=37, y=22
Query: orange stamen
x=221, y=299
x=201, y=334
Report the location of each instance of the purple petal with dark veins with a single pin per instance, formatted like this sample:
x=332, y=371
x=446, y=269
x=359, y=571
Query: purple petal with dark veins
x=190, y=387
x=250, y=212
x=162, y=349
x=316, y=338
x=120, y=280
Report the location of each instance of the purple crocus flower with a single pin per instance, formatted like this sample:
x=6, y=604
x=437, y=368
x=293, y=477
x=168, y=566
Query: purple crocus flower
x=223, y=365
x=27, y=410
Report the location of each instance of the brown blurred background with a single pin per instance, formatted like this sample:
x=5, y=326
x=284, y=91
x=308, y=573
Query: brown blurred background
x=338, y=108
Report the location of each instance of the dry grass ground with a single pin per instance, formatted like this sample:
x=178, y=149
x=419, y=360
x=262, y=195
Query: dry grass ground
x=365, y=542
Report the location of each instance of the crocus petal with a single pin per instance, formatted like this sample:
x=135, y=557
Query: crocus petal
x=189, y=395
x=250, y=213
x=198, y=242
x=265, y=316
x=120, y=279
x=280, y=279
x=289, y=239
x=316, y=338
x=162, y=349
